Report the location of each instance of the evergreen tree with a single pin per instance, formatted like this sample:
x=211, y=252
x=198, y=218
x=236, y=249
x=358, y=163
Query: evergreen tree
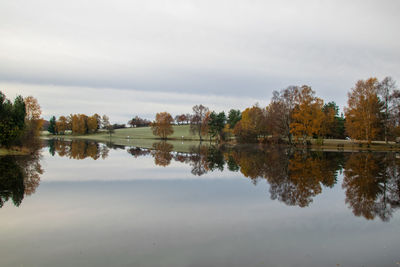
x=234, y=116
x=12, y=123
x=217, y=124
x=52, y=125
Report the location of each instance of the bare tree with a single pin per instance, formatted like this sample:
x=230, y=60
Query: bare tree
x=197, y=119
x=280, y=111
x=386, y=88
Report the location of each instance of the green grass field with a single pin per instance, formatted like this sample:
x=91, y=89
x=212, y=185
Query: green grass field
x=146, y=133
x=142, y=137
x=181, y=132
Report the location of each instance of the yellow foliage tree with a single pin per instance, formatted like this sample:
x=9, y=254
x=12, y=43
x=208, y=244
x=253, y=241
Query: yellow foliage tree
x=363, y=114
x=33, y=121
x=79, y=125
x=92, y=124
x=62, y=124
x=251, y=125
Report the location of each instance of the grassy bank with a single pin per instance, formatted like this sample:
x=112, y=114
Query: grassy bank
x=141, y=137
x=181, y=132
x=353, y=145
x=13, y=151
x=182, y=140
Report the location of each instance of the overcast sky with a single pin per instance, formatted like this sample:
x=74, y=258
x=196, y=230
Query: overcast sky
x=126, y=58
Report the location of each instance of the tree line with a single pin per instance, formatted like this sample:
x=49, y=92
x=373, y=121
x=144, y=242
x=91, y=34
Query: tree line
x=296, y=114
x=295, y=177
x=80, y=124
x=20, y=122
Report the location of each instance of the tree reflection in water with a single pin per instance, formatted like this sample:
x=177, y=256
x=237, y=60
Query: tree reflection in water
x=11, y=181
x=162, y=153
x=19, y=177
x=371, y=180
x=372, y=184
x=295, y=177
x=80, y=149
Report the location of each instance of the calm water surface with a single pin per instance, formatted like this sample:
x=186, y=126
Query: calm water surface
x=85, y=204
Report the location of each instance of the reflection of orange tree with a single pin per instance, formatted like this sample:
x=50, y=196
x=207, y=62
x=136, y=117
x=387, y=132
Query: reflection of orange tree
x=372, y=184
x=251, y=162
x=307, y=173
x=162, y=153
x=82, y=149
x=78, y=149
x=295, y=179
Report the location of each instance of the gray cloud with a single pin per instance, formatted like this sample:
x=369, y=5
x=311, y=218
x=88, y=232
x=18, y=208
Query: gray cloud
x=235, y=48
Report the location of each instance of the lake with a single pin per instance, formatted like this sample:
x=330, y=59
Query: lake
x=81, y=203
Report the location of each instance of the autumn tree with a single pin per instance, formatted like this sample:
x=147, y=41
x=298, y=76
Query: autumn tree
x=307, y=116
x=33, y=110
x=62, y=124
x=79, y=124
x=138, y=122
x=92, y=123
x=181, y=119
x=33, y=122
x=363, y=113
x=98, y=119
x=280, y=111
x=162, y=126
x=197, y=122
x=251, y=126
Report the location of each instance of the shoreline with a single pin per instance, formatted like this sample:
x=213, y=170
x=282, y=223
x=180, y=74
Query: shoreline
x=331, y=145
x=14, y=152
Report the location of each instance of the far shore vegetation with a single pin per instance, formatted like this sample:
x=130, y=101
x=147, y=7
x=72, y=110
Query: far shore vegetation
x=295, y=116
x=20, y=125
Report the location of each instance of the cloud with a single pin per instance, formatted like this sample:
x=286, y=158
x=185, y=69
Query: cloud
x=222, y=48
x=119, y=105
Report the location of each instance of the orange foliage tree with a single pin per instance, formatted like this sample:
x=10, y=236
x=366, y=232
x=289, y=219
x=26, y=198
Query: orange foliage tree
x=62, y=125
x=252, y=125
x=162, y=126
x=79, y=125
x=162, y=153
x=307, y=116
x=93, y=123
